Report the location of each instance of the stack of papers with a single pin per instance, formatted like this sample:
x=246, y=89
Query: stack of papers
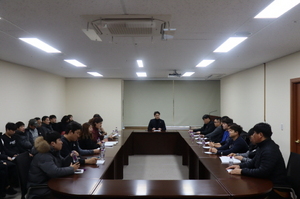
x=110, y=143
x=100, y=161
x=225, y=160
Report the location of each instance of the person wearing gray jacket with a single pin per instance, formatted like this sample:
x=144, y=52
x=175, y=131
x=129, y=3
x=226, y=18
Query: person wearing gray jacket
x=48, y=163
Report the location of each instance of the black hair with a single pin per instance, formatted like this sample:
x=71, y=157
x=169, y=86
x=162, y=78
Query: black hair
x=37, y=118
x=96, y=120
x=19, y=124
x=250, y=132
x=237, y=128
x=70, y=116
x=65, y=119
x=218, y=118
x=10, y=126
x=226, y=120
x=44, y=118
x=156, y=112
x=52, y=117
x=96, y=115
x=72, y=126
x=263, y=128
x=205, y=117
x=52, y=137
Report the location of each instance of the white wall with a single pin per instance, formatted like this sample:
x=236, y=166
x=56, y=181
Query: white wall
x=247, y=87
x=27, y=93
x=85, y=97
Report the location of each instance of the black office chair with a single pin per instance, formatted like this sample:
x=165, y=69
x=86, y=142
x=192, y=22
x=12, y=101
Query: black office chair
x=23, y=164
x=293, y=174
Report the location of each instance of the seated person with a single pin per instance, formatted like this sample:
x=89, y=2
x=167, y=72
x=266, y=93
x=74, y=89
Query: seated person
x=226, y=122
x=62, y=125
x=235, y=144
x=9, y=140
x=8, y=174
x=249, y=155
x=32, y=131
x=157, y=123
x=23, y=139
x=208, y=126
x=267, y=163
x=70, y=144
x=85, y=139
x=53, y=123
x=217, y=134
x=46, y=127
x=39, y=122
x=98, y=132
x=48, y=163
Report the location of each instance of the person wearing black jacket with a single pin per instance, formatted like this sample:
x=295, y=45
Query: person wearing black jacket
x=70, y=144
x=267, y=163
x=208, y=126
x=157, y=123
x=23, y=139
x=9, y=140
x=46, y=127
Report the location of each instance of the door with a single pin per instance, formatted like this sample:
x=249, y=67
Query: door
x=295, y=115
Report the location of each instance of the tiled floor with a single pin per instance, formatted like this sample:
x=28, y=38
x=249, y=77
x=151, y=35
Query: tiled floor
x=155, y=167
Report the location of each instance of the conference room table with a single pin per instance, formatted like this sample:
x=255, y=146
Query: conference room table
x=208, y=178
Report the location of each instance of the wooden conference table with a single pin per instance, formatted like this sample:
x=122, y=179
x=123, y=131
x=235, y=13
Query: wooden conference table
x=208, y=178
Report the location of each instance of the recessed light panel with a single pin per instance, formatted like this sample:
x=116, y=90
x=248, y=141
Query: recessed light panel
x=96, y=74
x=141, y=74
x=140, y=63
x=74, y=62
x=229, y=44
x=188, y=74
x=40, y=45
x=205, y=62
x=277, y=8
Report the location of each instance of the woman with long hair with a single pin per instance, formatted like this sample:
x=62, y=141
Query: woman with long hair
x=86, y=139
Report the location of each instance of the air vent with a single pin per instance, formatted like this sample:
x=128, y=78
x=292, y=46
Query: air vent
x=110, y=26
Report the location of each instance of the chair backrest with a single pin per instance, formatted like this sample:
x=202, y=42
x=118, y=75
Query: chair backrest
x=23, y=161
x=293, y=172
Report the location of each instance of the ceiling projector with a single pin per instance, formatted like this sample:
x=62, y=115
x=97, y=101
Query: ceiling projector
x=174, y=74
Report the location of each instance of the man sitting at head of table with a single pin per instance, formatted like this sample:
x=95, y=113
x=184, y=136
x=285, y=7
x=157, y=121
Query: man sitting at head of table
x=70, y=144
x=208, y=126
x=267, y=163
x=156, y=123
x=236, y=143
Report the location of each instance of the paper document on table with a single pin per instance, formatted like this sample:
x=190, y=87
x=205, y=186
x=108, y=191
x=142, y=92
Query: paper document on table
x=78, y=171
x=100, y=161
x=225, y=160
x=110, y=144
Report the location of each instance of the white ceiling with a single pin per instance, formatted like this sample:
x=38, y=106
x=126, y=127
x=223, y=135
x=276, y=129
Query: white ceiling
x=201, y=26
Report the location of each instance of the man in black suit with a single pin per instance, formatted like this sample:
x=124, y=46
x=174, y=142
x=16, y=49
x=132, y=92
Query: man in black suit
x=156, y=123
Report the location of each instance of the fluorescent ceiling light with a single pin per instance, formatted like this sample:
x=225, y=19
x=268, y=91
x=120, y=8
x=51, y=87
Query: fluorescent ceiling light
x=96, y=74
x=39, y=44
x=140, y=63
x=229, y=44
x=205, y=62
x=188, y=74
x=142, y=74
x=277, y=8
x=75, y=62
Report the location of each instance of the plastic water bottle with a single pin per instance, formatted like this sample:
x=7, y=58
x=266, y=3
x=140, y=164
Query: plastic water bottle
x=102, y=155
x=116, y=130
x=230, y=161
x=203, y=141
x=75, y=159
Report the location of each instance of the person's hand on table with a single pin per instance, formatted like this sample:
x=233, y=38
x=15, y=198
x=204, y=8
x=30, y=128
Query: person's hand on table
x=238, y=157
x=211, y=144
x=234, y=167
x=231, y=154
x=92, y=160
x=236, y=171
x=9, y=158
x=153, y=129
x=96, y=151
x=75, y=166
x=213, y=150
x=159, y=129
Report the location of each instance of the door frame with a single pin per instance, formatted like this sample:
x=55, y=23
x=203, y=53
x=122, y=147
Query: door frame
x=293, y=113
